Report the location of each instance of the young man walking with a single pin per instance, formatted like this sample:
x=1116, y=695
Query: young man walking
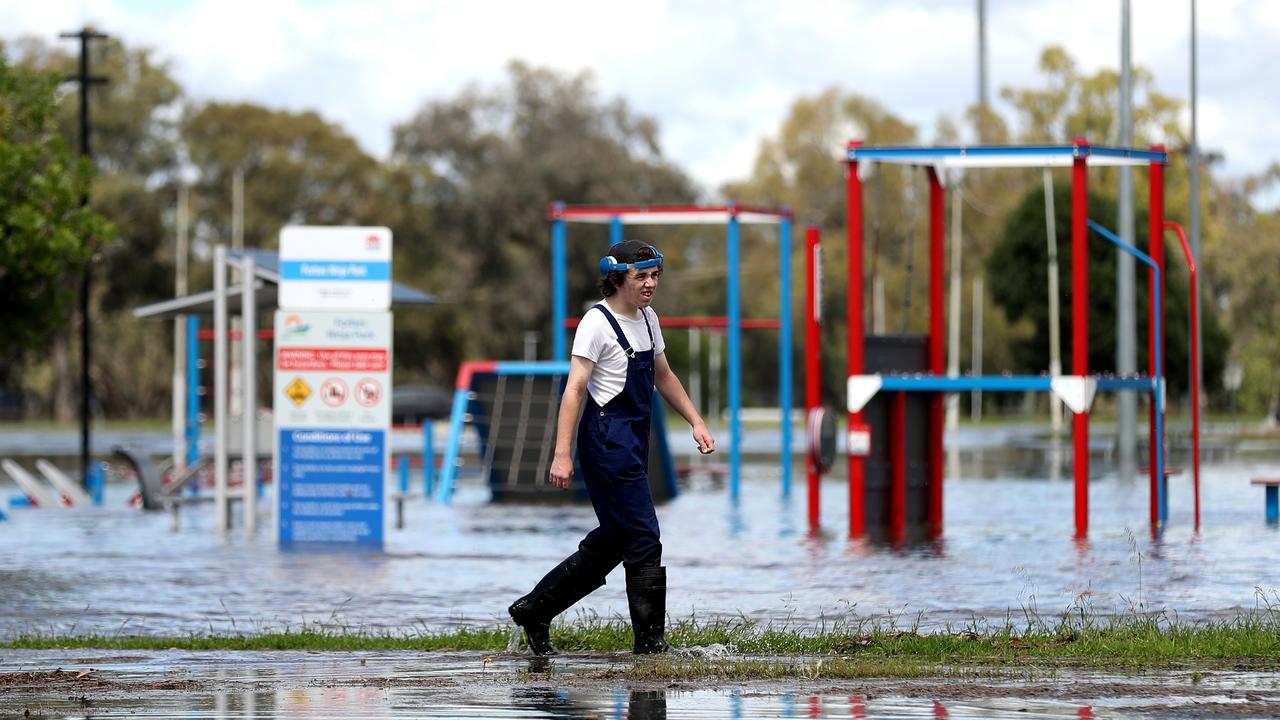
x=618, y=360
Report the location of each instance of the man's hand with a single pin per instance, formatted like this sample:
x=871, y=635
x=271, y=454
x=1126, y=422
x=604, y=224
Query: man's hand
x=561, y=472
x=702, y=436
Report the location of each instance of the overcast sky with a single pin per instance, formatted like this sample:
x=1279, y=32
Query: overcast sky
x=718, y=75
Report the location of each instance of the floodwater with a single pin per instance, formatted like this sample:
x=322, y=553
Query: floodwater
x=1007, y=550
x=217, y=686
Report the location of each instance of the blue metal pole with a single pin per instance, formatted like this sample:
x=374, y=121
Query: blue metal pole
x=558, y=287
x=784, y=347
x=193, y=391
x=615, y=231
x=428, y=459
x=402, y=474
x=96, y=481
x=449, y=465
x=735, y=357
x=1157, y=382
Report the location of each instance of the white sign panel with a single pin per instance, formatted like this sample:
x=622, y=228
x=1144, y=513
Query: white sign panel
x=324, y=268
x=333, y=416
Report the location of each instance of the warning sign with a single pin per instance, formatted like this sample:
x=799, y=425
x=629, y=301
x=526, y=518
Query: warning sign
x=368, y=392
x=332, y=359
x=333, y=417
x=333, y=392
x=298, y=391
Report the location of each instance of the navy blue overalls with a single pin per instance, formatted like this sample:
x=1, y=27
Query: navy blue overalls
x=613, y=452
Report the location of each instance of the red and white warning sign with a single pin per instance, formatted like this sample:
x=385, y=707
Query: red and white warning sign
x=333, y=369
x=368, y=392
x=333, y=392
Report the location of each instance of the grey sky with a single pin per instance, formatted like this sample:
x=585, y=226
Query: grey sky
x=719, y=76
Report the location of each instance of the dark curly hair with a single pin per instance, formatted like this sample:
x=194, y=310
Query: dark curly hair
x=628, y=251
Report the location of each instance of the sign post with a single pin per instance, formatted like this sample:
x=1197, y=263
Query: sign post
x=332, y=395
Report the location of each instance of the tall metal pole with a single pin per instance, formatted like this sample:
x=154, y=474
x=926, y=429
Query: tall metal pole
x=982, y=53
x=1055, y=314
x=85, y=36
x=953, y=317
x=220, y=386
x=1194, y=161
x=1126, y=297
x=975, y=347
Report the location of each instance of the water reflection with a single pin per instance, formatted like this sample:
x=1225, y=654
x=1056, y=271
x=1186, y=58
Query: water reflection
x=563, y=704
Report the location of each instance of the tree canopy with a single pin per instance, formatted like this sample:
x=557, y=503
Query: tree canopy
x=46, y=236
x=466, y=189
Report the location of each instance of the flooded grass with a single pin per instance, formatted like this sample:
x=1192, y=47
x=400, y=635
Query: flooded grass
x=853, y=648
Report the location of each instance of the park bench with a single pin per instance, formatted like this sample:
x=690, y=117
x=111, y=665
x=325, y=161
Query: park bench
x=1272, y=497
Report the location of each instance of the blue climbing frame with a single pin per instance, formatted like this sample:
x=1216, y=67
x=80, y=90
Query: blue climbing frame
x=732, y=216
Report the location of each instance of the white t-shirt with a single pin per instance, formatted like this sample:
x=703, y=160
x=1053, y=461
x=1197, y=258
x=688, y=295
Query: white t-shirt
x=596, y=341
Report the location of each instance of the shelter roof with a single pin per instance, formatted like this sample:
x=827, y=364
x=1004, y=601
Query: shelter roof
x=267, y=272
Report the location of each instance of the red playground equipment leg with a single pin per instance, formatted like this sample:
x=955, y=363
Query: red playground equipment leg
x=1080, y=329
x=813, y=368
x=853, y=198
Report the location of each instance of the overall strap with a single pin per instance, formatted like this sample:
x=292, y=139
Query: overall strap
x=648, y=327
x=617, y=330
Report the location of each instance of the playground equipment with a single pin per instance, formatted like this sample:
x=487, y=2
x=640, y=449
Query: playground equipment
x=732, y=216
x=53, y=488
x=1076, y=390
x=513, y=407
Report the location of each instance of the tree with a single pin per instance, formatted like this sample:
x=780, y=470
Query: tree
x=135, y=151
x=1239, y=281
x=297, y=167
x=46, y=236
x=476, y=173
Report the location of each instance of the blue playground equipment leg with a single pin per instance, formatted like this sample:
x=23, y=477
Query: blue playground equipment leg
x=735, y=360
x=95, y=482
x=784, y=345
x=402, y=470
x=428, y=459
x=1273, y=505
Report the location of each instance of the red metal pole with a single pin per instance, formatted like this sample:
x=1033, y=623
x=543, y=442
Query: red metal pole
x=853, y=199
x=897, y=467
x=1195, y=386
x=1080, y=325
x=937, y=223
x=1155, y=247
x=813, y=360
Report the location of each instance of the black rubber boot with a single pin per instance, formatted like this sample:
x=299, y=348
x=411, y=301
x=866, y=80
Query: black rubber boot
x=566, y=584
x=647, y=598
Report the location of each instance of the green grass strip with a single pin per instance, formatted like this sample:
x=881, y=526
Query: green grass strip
x=1072, y=640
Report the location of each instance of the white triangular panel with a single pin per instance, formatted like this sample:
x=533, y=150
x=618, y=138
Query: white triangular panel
x=860, y=390
x=1076, y=391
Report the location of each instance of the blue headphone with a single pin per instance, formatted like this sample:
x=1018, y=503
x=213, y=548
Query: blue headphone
x=609, y=263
